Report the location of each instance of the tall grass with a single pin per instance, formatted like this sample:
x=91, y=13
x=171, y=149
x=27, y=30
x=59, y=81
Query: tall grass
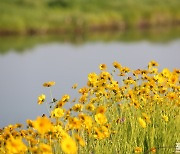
x=126, y=111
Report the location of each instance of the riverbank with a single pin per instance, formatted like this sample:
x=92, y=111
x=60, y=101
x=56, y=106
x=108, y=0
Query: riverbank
x=20, y=17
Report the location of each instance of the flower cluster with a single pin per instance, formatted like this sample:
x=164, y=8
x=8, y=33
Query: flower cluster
x=126, y=110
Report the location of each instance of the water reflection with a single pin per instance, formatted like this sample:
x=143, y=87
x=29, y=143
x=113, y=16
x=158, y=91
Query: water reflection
x=22, y=75
x=23, y=42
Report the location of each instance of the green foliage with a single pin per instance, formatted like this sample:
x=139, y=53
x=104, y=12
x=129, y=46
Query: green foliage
x=47, y=16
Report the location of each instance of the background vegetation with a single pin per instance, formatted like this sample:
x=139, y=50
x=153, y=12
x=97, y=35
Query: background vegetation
x=52, y=16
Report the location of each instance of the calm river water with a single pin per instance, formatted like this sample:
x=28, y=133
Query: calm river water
x=22, y=75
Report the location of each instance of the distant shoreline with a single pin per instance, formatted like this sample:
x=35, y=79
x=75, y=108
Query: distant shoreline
x=27, y=17
x=101, y=28
x=20, y=42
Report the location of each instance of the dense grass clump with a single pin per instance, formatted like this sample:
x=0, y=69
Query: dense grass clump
x=52, y=16
x=126, y=111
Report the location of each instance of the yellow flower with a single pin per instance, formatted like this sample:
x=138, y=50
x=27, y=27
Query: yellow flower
x=159, y=78
x=98, y=133
x=68, y=145
x=87, y=121
x=142, y=122
x=125, y=69
x=33, y=149
x=154, y=71
x=136, y=72
x=100, y=118
x=136, y=104
x=171, y=95
x=15, y=145
x=42, y=124
x=138, y=149
x=45, y=149
x=92, y=78
x=102, y=67
x=60, y=103
x=84, y=90
x=59, y=131
x=74, y=86
x=152, y=63
x=177, y=71
x=74, y=123
x=41, y=99
x=79, y=140
x=101, y=133
x=77, y=107
x=57, y=112
x=153, y=149
x=173, y=79
x=83, y=98
x=165, y=118
x=166, y=73
x=105, y=131
x=65, y=98
x=116, y=65
x=146, y=117
x=49, y=84
x=101, y=109
x=90, y=107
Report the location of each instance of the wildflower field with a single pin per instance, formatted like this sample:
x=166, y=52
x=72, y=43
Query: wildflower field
x=121, y=111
